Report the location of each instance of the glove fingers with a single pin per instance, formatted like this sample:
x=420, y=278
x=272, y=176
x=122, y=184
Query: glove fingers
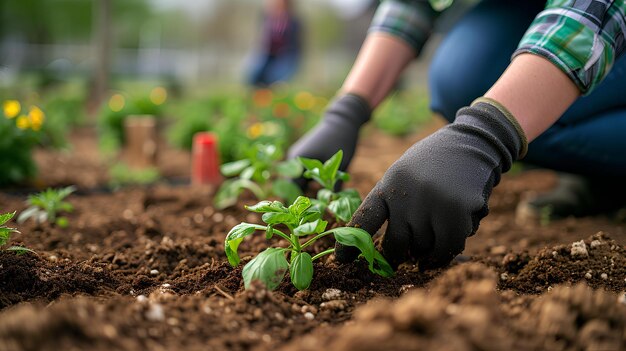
x=370, y=216
x=449, y=241
x=302, y=183
x=396, y=243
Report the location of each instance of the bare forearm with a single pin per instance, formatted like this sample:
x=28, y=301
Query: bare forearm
x=377, y=67
x=535, y=91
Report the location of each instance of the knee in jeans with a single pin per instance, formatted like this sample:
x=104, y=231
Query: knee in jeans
x=444, y=96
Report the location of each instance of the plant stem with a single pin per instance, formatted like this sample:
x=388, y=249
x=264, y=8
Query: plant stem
x=283, y=235
x=313, y=239
x=294, y=238
x=323, y=253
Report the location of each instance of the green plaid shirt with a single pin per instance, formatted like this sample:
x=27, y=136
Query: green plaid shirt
x=582, y=38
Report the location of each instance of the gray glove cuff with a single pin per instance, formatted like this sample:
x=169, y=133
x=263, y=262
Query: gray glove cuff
x=493, y=126
x=349, y=108
x=509, y=116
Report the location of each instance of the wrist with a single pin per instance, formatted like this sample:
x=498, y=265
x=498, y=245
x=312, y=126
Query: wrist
x=349, y=108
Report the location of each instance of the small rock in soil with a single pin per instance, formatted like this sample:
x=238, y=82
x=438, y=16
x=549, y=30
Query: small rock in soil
x=334, y=305
x=155, y=313
x=579, y=249
x=331, y=294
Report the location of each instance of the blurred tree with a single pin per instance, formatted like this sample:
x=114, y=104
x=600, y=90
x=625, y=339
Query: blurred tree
x=102, y=48
x=63, y=21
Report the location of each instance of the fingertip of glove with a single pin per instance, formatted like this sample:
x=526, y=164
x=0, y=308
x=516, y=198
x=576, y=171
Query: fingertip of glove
x=345, y=254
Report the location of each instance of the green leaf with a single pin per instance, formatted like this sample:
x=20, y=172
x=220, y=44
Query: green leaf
x=63, y=193
x=325, y=195
x=301, y=271
x=286, y=189
x=276, y=218
x=268, y=206
x=381, y=266
x=310, y=215
x=232, y=169
x=290, y=168
x=66, y=207
x=28, y=213
x=314, y=227
x=301, y=204
x=268, y=266
x=20, y=250
x=358, y=238
x=268, y=152
x=6, y=217
x=62, y=222
x=235, y=237
x=310, y=163
x=331, y=166
x=230, y=190
x=248, y=173
x=230, y=248
x=342, y=176
x=227, y=194
x=344, y=207
x=5, y=235
x=361, y=239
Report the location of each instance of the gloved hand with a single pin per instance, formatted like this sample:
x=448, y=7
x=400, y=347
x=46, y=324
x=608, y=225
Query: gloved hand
x=338, y=130
x=435, y=195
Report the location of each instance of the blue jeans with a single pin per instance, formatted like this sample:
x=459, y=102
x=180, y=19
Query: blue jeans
x=590, y=137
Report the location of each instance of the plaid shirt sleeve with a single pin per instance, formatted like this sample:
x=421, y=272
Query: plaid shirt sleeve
x=411, y=21
x=582, y=38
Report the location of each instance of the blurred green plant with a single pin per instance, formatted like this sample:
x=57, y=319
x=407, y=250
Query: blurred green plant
x=6, y=233
x=402, y=113
x=119, y=106
x=223, y=115
x=262, y=172
x=121, y=175
x=47, y=205
x=20, y=132
x=267, y=116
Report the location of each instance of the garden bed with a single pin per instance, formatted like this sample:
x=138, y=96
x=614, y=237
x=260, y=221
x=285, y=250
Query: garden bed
x=144, y=268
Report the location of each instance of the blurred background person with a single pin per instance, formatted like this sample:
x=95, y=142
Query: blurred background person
x=278, y=56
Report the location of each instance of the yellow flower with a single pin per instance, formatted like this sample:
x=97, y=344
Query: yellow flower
x=22, y=122
x=117, y=102
x=36, y=115
x=255, y=130
x=11, y=108
x=158, y=95
x=304, y=100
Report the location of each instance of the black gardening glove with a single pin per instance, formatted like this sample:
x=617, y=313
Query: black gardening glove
x=435, y=195
x=338, y=130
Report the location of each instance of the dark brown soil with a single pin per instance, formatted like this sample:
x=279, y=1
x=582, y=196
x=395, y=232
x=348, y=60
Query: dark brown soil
x=144, y=268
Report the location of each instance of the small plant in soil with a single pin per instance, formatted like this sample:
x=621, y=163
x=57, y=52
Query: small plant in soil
x=260, y=172
x=342, y=204
x=305, y=226
x=47, y=205
x=6, y=232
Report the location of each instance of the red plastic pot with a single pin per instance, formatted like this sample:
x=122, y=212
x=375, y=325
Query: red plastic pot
x=205, y=162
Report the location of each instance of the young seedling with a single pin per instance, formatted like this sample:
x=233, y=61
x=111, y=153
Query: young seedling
x=46, y=205
x=6, y=232
x=341, y=204
x=305, y=226
x=260, y=172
